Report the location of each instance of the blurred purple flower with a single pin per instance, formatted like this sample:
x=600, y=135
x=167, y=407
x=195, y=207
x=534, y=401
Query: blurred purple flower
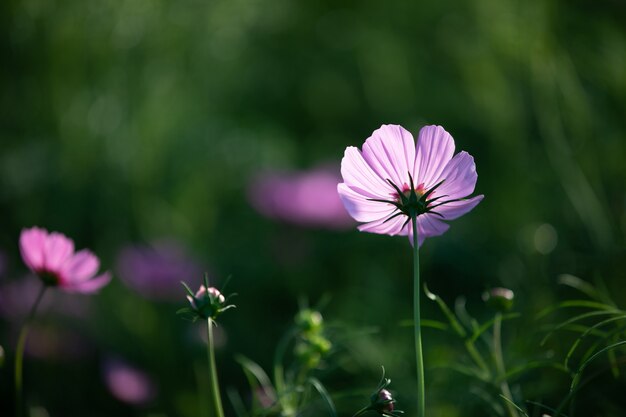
x=307, y=198
x=156, y=271
x=127, y=383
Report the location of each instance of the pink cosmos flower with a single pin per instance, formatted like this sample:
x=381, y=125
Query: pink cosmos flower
x=51, y=256
x=391, y=178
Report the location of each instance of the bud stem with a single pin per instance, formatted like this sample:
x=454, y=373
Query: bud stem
x=19, y=352
x=499, y=358
x=216, y=400
x=419, y=357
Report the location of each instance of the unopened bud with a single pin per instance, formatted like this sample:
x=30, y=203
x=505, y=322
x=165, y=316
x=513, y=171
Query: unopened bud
x=309, y=320
x=499, y=298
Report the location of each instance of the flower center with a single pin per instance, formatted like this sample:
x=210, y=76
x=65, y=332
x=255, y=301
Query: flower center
x=48, y=277
x=406, y=191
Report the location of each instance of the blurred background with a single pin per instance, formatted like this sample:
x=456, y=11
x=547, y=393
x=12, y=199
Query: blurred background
x=174, y=138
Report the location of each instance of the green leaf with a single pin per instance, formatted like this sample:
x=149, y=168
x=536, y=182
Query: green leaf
x=577, y=318
x=324, y=394
x=580, y=285
x=257, y=379
x=512, y=373
x=575, y=303
x=480, y=330
x=446, y=311
x=433, y=324
x=582, y=367
x=587, y=332
x=191, y=293
x=514, y=405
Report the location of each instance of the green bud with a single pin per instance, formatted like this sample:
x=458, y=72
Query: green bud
x=309, y=320
x=499, y=298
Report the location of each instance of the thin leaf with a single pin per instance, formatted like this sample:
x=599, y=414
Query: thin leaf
x=433, y=324
x=582, y=367
x=446, y=311
x=587, y=332
x=575, y=303
x=257, y=378
x=577, y=318
x=324, y=394
x=463, y=314
x=514, y=405
x=531, y=365
x=580, y=285
x=550, y=409
x=490, y=323
x=236, y=402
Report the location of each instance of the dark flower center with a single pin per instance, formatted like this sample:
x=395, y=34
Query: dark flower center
x=48, y=277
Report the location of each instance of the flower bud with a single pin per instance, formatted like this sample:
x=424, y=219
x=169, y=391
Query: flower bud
x=206, y=303
x=309, y=320
x=382, y=402
x=499, y=298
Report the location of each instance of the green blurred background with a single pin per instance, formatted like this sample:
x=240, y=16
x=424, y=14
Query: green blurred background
x=126, y=122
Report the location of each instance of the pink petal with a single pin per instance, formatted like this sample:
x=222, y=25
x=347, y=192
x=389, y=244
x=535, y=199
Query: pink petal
x=460, y=177
x=360, y=208
x=80, y=267
x=428, y=225
x=32, y=244
x=358, y=175
x=390, y=151
x=435, y=148
x=454, y=210
x=392, y=227
x=58, y=249
x=90, y=286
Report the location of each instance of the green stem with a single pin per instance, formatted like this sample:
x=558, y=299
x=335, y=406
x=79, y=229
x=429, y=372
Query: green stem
x=216, y=400
x=19, y=352
x=499, y=358
x=419, y=357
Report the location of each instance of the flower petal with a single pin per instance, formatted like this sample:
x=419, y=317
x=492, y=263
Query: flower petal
x=435, y=148
x=390, y=151
x=58, y=249
x=460, y=177
x=392, y=227
x=80, y=267
x=428, y=225
x=456, y=209
x=358, y=174
x=32, y=245
x=90, y=286
x=360, y=208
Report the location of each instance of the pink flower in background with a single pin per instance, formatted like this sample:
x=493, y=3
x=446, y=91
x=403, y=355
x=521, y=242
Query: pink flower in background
x=155, y=271
x=306, y=198
x=127, y=383
x=51, y=256
x=392, y=177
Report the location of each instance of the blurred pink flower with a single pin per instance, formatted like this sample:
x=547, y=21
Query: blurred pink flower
x=156, y=271
x=392, y=177
x=51, y=256
x=307, y=198
x=127, y=383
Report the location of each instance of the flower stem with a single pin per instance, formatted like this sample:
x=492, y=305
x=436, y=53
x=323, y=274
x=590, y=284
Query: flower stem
x=499, y=358
x=19, y=352
x=419, y=357
x=216, y=400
